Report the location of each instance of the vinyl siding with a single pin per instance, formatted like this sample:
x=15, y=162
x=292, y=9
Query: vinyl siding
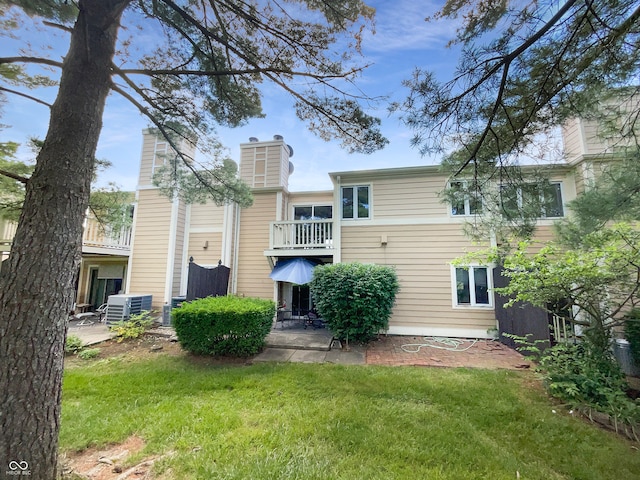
x=146, y=161
x=253, y=267
x=572, y=140
x=264, y=164
x=421, y=255
x=149, y=258
x=211, y=254
x=409, y=196
x=179, y=263
x=205, y=227
x=208, y=215
x=148, y=155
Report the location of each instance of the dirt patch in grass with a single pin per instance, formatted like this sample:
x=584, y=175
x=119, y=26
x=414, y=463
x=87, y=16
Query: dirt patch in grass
x=109, y=463
x=148, y=346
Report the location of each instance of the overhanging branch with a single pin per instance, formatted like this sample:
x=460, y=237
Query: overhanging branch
x=14, y=176
x=24, y=95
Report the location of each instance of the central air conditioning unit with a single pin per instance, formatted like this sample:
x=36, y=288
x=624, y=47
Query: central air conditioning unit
x=121, y=307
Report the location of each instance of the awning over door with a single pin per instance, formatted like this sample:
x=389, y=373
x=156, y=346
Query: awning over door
x=294, y=270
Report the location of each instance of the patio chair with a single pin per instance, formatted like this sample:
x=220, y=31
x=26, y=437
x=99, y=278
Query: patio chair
x=102, y=312
x=312, y=319
x=86, y=318
x=283, y=316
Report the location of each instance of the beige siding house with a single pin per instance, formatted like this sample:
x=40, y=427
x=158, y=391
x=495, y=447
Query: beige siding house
x=388, y=216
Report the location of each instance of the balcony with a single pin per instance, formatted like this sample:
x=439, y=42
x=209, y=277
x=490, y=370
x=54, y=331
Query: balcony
x=94, y=240
x=97, y=239
x=7, y=232
x=302, y=235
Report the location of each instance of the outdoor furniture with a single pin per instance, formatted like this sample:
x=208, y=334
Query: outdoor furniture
x=102, y=312
x=283, y=316
x=312, y=319
x=82, y=307
x=86, y=318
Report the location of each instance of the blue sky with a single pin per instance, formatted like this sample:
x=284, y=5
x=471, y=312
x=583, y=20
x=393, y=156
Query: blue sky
x=403, y=40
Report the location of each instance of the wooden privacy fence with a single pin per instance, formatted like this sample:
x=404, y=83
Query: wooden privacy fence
x=207, y=282
x=525, y=320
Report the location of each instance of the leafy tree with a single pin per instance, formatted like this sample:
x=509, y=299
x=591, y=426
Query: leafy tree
x=599, y=279
x=524, y=68
x=174, y=178
x=108, y=205
x=209, y=58
x=613, y=196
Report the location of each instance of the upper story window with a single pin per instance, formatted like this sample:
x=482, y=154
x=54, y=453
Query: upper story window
x=472, y=286
x=466, y=199
x=356, y=202
x=313, y=212
x=541, y=200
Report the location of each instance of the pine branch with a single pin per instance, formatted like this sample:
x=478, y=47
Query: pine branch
x=14, y=176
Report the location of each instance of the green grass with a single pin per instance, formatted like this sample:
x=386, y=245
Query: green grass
x=301, y=421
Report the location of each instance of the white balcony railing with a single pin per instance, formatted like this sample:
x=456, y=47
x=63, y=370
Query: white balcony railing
x=302, y=234
x=94, y=237
x=98, y=237
x=7, y=232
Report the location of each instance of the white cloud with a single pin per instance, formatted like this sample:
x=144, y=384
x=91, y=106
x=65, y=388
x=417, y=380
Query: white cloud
x=401, y=26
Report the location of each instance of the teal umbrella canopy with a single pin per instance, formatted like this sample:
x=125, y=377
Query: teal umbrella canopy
x=294, y=270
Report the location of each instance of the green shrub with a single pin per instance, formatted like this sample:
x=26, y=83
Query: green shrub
x=73, y=345
x=227, y=325
x=632, y=333
x=355, y=300
x=582, y=376
x=89, y=353
x=134, y=327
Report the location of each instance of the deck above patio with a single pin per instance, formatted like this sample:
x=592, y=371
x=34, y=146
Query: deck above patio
x=301, y=235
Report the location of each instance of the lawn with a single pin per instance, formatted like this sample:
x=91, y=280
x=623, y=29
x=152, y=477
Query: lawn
x=322, y=421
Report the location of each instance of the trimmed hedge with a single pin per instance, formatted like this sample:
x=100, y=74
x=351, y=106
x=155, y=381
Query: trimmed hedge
x=354, y=299
x=230, y=326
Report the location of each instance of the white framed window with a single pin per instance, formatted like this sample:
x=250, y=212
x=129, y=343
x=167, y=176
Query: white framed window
x=356, y=202
x=312, y=212
x=545, y=200
x=472, y=286
x=466, y=199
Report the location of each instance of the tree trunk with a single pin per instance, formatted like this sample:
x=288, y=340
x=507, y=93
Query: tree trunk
x=37, y=282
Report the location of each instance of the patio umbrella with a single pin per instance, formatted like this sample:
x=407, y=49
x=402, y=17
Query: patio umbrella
x=296, y=270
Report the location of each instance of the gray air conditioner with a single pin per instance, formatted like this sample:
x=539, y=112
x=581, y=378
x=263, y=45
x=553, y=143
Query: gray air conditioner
x=121, y=307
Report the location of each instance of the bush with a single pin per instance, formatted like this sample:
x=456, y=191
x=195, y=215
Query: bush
x=89, y=353
x=73, y=345
x=134, y=327
x=355, y=300
x=632, y=333
x=228, y=325
x=583, y=377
